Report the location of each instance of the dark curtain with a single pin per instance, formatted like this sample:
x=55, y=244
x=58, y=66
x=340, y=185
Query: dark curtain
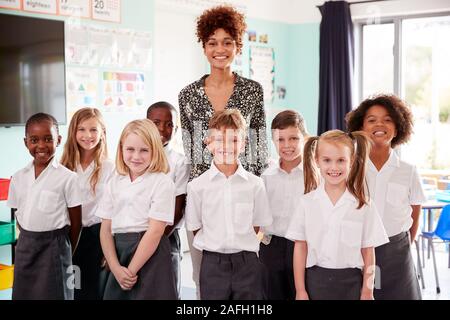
x=336, y=65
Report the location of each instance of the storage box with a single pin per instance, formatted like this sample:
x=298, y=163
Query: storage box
x=7, y=232
x=4, y=186
x=6, y=276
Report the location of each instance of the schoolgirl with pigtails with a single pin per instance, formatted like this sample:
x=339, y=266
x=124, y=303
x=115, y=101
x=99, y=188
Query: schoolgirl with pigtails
x=335, y=226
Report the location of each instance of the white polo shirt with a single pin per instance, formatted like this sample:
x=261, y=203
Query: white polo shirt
x=283, y=190
x=91, y=200
x=335, y=234
x=179, y=170
x=130, y=205
x=42, y=203
x=226, y=210
x=394, y=189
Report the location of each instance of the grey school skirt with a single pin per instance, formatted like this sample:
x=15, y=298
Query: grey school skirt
x=396, y=277
x=42, y=266
x=333, y=284
x=155, y=279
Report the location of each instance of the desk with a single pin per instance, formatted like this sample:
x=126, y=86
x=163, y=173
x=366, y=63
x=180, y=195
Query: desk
x=428, y=208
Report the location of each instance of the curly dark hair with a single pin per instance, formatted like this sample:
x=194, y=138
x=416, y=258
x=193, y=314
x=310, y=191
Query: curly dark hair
x=225, y=17
x=397, y=109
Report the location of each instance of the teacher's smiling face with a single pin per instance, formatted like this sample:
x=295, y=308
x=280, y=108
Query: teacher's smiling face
x=220, y=49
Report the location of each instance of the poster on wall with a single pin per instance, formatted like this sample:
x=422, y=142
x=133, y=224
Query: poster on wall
x=81, y=86
x=77, y=42
x=101, y=47
x=123, y=91
x=106, y=10
x=262, y=69
x=74, y=8
x=40, y=6
x=142, y=50
x=10, y=4
x=123, y=50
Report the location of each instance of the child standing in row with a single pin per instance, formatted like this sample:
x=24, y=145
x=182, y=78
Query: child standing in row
x=395, y=187
x=226, y=205
x=85, y=153
x=135, y=210
x=335, y=227
x=48, y=204
x=164, y=116
x=284, y=184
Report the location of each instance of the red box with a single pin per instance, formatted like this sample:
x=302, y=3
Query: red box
x=4, y=187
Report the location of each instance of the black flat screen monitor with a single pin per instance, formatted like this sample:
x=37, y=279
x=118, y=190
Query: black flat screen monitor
x=32, y=69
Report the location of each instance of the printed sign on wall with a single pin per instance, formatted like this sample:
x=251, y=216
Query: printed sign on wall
x=106, y=10
x=40, y=6
x=75, y=8
x=10, y=4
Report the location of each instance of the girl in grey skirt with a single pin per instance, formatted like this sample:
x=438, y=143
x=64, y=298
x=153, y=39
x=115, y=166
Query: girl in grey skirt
x=335, y=227
x=137, y=205
x=396, y=190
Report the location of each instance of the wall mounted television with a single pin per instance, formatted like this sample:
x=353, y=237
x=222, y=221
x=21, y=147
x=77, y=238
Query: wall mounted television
x=32, y=69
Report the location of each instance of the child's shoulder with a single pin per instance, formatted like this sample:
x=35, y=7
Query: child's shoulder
x=200, y=181
x=22, y=171
x=158, y=178
x=254, y=179
x=62, y=171
x=312, y=196
x=406, y=165
x=272, y=169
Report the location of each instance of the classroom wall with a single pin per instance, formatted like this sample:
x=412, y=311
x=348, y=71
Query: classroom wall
x=292, y=27
x=14, y=155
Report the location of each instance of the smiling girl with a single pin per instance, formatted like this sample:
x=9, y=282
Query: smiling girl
x=138, y=205
x=395, y=187
x=335, y=226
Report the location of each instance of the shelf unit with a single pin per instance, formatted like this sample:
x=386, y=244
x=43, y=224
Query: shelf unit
x=7, y=237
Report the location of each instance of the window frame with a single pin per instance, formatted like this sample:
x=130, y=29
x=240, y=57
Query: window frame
x=397, y=20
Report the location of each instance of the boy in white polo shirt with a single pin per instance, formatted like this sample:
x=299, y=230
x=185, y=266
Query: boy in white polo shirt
x=226, y=205
x=164, y=116
x=48, y=203
x=284, y=184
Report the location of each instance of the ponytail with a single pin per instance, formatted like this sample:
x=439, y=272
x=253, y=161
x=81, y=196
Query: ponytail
x=356, y=182
x=309, y=165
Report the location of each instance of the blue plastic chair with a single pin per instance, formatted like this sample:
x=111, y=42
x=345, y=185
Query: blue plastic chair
x=440, y=234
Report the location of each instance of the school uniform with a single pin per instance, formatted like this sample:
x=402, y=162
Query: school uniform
x=335, y=235
x=43, y=258
x=394, y=189
x=179, y=173
x=129, y=205
x=225, y=210
x=276, y=252
x=88, y=256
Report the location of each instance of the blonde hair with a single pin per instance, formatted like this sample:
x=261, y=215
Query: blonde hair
x=71, y=155
x=228, y=118
x=147, y=131
x=359, y=145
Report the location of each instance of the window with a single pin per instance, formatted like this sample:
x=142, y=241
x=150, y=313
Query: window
x=410, y=57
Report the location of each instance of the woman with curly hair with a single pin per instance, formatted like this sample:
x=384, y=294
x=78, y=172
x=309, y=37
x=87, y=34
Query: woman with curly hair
x=220, y=30
x=394, y=186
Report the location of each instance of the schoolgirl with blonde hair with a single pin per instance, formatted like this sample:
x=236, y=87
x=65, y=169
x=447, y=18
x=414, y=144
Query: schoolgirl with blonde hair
x=137, y=207
x=335, y=226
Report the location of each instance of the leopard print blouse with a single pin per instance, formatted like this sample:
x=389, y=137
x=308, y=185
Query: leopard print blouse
x=196, y=111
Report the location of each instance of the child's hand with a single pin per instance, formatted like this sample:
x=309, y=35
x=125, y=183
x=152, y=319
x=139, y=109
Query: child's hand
x=125, y=278
x=367, y=295
x=302, y=295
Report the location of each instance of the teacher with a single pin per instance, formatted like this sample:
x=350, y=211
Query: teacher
x=220, y=30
